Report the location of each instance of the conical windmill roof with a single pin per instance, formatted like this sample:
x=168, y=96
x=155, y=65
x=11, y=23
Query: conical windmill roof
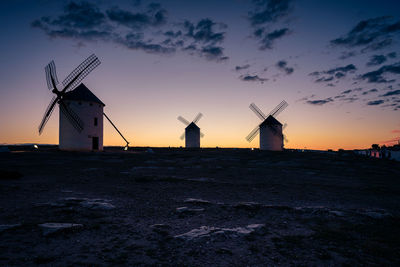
x=191, y=126
x=82, y=93
x=270, y=121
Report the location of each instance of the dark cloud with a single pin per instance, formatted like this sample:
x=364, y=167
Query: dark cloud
x=324, y=79
x=375, y=102
x=334, y=73
x=392, y=55
x=268, y=11
x=213, y=53
x=392, y=93
x=243, y=67
x=267, y=40
x=374, y=34
x=79, y=21
x=347, y=91
x=347, y=54
x=139, y=30
x=262, y=18
x=345, y=69
x=376, y=60
x=378, y=45
x=154, y=16
x=203, y=31
x=282, y=65
x=251, y=78
x=320, y=102
x=377, y=76
x=370, y=91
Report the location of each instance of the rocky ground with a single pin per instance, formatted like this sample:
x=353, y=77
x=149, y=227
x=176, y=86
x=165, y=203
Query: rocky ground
x=210, y=207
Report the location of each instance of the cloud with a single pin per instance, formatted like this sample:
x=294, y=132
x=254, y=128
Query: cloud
x=372, y=34
x=391, y=93
x=243, y=67
x=265, y=14
x=347, y=91
x=142, y=29
x=204, y=31
x=250, y=78
x=324, y=79
x=154, y=16
x=376, y=60
x=282, y=65
x=375, y=102
x=320, y=102
x=268, y=11
x=392, y=55
x=370, y=91
x=377, y=76
x=267, y=40
x=338, y=73
x=347, y=54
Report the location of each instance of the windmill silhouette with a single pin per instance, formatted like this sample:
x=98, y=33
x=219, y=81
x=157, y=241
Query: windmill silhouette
x=270, y=129
x=81, y=112
x=192, y=132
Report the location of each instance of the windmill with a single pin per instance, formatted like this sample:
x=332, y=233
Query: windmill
x=192, y=132
x=270, y=129
x=81, y=112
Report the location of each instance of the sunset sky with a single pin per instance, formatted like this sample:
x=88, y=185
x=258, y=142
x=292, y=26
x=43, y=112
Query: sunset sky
x=336, y=63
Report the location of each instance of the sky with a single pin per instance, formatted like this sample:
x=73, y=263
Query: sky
x=336, y=63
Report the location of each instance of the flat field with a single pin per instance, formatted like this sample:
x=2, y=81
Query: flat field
x=208, y=207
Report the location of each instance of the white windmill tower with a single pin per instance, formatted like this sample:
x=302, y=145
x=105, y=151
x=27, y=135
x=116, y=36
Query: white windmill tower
x=192, y=132
x=81, y=112
x=270, y=129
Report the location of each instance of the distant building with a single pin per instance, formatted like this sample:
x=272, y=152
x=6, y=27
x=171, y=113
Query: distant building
x=192, y=136
x=271, y=137
x=89, y=108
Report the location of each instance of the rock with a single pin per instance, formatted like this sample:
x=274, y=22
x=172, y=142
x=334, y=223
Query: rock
x=5, y=227
x=187, y=210
x=207, y=231
x=162, y=229
x=97, y=205
x=52, y=228
x=196, y=201
x=337, y=213
x=378, y=214
x=248, y=205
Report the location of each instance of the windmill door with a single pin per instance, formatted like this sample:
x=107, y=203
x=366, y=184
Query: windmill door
x=95, y=143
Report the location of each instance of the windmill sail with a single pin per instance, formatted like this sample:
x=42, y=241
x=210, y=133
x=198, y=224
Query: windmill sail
x=78, y=74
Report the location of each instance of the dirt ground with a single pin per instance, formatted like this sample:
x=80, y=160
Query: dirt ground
x=209, y=207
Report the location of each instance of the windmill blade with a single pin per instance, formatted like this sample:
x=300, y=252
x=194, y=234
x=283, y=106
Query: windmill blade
x=182, y=136
x=201, y=135
x=257, y=111
x=278, y=109
x=253, y=134
x=47, y=114
x=51, y=75
x=198, y=117
x=284, y=126
x=183, y=120
x=285, y=139
x=78, y=74
x=71, y=116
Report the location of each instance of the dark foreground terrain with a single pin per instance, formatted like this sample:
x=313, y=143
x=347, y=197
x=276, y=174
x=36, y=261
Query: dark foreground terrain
x=198, y=208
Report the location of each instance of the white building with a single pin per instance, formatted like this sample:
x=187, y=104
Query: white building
x=271, y=137
x=192, y=136
x=90, y=110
